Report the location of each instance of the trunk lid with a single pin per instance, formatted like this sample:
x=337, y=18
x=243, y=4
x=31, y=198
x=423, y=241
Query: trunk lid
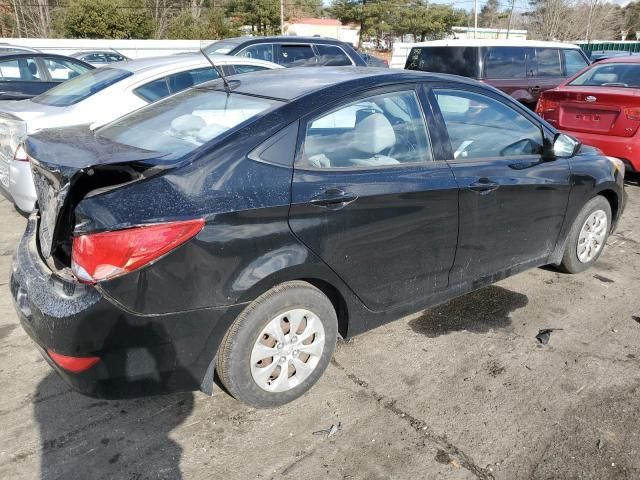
x=69, y=163
x=600, y=110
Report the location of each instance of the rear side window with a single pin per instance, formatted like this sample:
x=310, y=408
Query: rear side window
x=454, y=60
x=112, y=57
x=546, y=63
x=95, y=58
x=79, y=88
x=382, y=130
x=331, y=55
x=505, y=62
x=175, y=83
x=296, y=56
x=263, y=51
x=153, y=91
x=62, y=70
x=476, y=127
x=248, y=68
x=22, y=69
x=573, y=62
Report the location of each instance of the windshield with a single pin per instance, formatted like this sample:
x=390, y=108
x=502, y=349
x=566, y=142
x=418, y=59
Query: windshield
x=81, y=87
x=221, y=47
x=610, y=75
x=181, y=123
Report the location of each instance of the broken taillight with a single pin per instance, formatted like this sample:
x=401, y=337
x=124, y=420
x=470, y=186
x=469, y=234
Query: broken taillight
x=102, y=256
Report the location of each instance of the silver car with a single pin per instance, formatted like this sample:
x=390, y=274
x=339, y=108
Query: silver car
x=98, y=97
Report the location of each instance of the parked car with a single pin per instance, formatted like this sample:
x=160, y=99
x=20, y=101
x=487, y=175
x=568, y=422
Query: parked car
x=520, y=68
x=100, y=58
x=240, y=229
x=11, y=48
x=290, y=51
x=373, y=61
x=601, y=107
x=26, y=74
x=98, y=97
x=599, y=55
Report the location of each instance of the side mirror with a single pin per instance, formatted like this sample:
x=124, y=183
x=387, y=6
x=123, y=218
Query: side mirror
x=565, y=146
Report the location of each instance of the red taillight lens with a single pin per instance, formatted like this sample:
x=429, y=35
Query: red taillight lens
x=21, y=154
x=73, y=364
x=102, y=256
x=546, y=106
x=632, y=113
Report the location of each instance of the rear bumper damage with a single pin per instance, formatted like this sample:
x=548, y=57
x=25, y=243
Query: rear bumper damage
x=139, y=354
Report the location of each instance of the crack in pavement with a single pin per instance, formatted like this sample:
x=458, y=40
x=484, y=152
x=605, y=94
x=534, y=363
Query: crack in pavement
x=419, y=426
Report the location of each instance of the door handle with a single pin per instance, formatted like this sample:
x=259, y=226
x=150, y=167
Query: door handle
x=333, y=198
x=484, y=186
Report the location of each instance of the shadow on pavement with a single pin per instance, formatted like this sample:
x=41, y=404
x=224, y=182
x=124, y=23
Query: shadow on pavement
x=87, y=438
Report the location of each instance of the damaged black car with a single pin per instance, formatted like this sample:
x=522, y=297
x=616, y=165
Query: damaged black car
x=230, y=233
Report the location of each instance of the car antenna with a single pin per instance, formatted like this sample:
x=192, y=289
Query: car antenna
x=217, y=69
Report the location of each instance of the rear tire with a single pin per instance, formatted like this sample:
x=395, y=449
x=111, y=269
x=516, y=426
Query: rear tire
x=588, y=235
x=279, y=346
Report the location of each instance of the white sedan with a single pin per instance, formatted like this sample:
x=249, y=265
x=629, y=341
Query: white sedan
x=98, y=97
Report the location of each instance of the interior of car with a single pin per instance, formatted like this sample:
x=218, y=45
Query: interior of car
x=383, y=130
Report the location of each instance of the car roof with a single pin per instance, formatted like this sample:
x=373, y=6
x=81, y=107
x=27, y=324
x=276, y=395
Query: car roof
x=14, y=54
x=298, y=82
x=86, y=52
x=620, y=59
x=151, y=63
x=277, y=38
x=495, y=43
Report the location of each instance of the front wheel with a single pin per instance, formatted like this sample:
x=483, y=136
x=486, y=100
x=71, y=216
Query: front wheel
x=588, y=236
x=279, y=346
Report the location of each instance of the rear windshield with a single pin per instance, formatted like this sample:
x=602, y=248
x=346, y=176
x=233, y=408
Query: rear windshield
x=221, y=47
x=610, y=75
x=81, y=87
x=181, y=123
x=455, y=60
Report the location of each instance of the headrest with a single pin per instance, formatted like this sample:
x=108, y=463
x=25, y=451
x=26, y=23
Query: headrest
x=605, y=78
x=373, y=134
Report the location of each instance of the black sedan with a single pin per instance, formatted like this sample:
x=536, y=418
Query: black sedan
x=240, y=229
x=291, y=51
x=27, y=74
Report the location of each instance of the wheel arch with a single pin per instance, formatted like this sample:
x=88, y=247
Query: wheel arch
x=614, y=202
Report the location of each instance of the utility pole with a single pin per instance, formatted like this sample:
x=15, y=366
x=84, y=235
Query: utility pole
x=281, y=17
x=588, y=34
x=475, y=18
x=513, y=4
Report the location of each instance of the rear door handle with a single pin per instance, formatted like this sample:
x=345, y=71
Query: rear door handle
x=333, y=198
x=484, y=186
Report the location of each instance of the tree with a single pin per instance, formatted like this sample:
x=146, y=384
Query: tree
x=105, y=19
x=211, y=25
x=263, y=16
x=384, y=19
x=490, y=15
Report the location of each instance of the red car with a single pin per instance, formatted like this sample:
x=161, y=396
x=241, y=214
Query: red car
x=601, y=107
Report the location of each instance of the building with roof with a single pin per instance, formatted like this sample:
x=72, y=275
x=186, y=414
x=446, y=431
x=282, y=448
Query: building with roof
x=323, y=27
